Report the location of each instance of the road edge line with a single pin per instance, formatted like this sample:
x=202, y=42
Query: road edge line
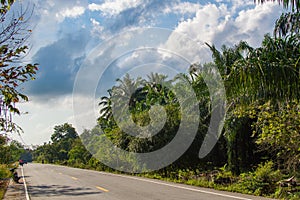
x=25, y=186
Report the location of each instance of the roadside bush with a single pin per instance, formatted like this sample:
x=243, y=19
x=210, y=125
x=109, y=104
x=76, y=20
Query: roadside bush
x=285, y=193
x=263, y=181
x=4, y=172
x=224, y=176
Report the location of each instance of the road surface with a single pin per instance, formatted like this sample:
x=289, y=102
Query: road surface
x=58, y=182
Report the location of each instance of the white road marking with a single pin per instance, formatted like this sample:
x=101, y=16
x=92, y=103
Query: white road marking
x=25, y=186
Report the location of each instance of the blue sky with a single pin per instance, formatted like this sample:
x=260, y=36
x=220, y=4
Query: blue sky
x=65, y=32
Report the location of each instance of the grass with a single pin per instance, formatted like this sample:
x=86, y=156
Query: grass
x=5, y=175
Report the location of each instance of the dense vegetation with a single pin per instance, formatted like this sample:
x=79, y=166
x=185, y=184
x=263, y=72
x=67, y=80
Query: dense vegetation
x=10, y=153
x=260, y=143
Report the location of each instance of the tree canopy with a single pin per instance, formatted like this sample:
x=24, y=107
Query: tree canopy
x=13, y=72
x=294, y=4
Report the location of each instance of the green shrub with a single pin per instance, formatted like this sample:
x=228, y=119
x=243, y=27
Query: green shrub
x=4, y=172
x=263, y=181
x=224, y=176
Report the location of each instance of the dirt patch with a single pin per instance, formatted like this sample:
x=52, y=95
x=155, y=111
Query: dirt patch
x=3, y=187
x=15, y=191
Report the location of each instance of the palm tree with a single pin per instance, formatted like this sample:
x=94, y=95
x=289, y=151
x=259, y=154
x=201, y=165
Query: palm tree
x=270, y=72
x=295, y=4
x=128, y=91
x=157, y=88
x=106, y=110
x=253, y=77
x=288, y=22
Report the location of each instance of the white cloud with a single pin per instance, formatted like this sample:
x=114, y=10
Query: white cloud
x=38, y=124
x=219, y=25
x=254, y=19
x=239, y=4
x=208, y=20
x=85, y=111
x=46, y=21
x=114, y=7
x=73, y=12
x=183, y=8
x=97, y=29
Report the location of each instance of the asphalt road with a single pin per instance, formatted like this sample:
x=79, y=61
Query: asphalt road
x=58, y=182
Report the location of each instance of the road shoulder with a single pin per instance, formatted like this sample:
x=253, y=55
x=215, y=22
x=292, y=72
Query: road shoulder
x=15, y=191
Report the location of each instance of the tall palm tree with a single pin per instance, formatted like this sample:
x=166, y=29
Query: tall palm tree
x=288, y=22
x=295, y=4
x=157, y=88
x=106, y=110
x=270, y=72
x=127, y=91
x=157, y=81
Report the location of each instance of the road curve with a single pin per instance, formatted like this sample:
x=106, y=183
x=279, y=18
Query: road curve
x=58, y=182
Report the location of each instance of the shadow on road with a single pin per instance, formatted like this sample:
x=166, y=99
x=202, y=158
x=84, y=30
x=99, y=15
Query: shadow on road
x=60, y=190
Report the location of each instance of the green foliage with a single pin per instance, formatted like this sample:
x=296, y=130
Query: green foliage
x=139, y=99
x=63, y=132
x=78, y=155
x=65, y=143
x=283, y=193
x=263, y=181
x=294, y=4
x=4, y=172
x=13, y=73
x=278, y=129
x=224, y=176
x=287, y=24
x=270, y=72
x=254, y=77
x=10, y=152
x=5, y=6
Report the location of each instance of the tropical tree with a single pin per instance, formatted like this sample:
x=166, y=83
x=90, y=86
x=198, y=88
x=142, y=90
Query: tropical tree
x=78, y=155
x=253, y=78
x=288, y=22
x=157, y=89
x=64, y=131
x=278, y=133
x=295, y=4
x=63, y=139
x=124, y=92
x=45, y=153
x=13, y=34
x=11, y=151
x=105, y=103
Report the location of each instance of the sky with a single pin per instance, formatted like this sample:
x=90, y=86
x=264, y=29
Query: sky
x=121, y=36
